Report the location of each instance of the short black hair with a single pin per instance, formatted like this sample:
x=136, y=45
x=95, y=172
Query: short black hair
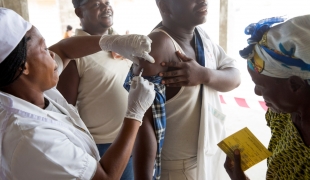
x=69, y=28
x=11, y=64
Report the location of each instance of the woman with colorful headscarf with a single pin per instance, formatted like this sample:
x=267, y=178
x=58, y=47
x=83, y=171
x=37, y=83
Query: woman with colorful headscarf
x=41, y=135
x=279, y=64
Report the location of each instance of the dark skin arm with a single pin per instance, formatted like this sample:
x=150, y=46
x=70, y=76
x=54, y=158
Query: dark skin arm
x=68, y=83
x=113, y=163
x=190, y=73
x=144, y=152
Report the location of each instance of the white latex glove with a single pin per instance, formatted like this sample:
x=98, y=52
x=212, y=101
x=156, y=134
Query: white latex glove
x=130, y=46
x=140, y=98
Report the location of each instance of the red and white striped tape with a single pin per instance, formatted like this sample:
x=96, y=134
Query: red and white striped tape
x=242, y=102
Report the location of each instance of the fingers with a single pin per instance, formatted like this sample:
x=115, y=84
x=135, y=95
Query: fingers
x=148, y=43
x=237, y=164
x=228, y=164
x=175, y=80
x=172, y=73
x=138, y=79
x=182, y=56
x=135, y=60
x=147, y=57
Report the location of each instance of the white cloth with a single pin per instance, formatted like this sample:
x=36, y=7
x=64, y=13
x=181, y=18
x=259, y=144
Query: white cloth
x=102, y=100
x=45, y=144
x=182, y=128
x=41, y=144
x=13, y=29
x=179, y=170
x=291, y=39
x=212, y=128
x=210, y=158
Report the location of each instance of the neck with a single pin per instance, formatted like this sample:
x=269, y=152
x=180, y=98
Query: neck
x=27, y=93
x=179, y=32
x=301, y=120
x=96, y=31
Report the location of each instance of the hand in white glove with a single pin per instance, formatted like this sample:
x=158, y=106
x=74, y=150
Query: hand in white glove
x=131, y=46
x=140, y=98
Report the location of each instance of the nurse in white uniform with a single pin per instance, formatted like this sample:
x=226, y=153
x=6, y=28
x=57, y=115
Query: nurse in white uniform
x=41, y=135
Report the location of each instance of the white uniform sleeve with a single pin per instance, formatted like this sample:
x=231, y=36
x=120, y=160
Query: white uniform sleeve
x=223, y=60
x=48, y=154
x=59, y=63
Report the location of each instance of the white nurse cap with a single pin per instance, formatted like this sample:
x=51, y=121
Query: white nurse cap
x=13, y=29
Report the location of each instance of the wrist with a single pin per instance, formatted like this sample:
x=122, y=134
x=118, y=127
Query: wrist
x=134, y=116
x=106, y=42
x=205, y=75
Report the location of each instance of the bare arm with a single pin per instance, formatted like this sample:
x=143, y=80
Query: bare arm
x=114, y=161
x=190, y=73
x=68, y=83
x=144, y=151
x=75, y=47
x=222, y=80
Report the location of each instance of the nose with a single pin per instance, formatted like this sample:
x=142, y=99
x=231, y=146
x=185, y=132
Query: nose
x=105, y=6
x=257, y=91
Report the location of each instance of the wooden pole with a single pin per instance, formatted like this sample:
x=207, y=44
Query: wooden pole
x=223, y=24
x=19, y=6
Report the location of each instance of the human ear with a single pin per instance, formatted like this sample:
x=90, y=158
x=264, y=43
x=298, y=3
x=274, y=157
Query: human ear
x=296, y=83
x=163, y=7
x=26, y=69
x=78, y=12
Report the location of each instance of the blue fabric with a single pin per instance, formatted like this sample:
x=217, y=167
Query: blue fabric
x=287, y=60
x=158, y=107
x=200, y=54
x=257, y=30
x=159, y=115
x=128, y=172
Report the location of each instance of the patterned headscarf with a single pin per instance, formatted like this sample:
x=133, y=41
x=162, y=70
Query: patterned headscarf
x=280, y=51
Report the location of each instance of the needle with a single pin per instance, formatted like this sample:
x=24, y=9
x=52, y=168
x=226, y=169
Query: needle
x=141, y=72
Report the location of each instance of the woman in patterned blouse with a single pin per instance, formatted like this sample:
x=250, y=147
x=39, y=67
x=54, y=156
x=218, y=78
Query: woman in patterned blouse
x=279, y=64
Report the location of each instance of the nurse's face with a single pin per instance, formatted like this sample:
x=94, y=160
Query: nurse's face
x=41, y=68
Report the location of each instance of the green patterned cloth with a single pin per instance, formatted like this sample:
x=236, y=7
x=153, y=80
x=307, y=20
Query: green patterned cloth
x=291, y=157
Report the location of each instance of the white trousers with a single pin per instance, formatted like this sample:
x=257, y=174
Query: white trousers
x=179, y=170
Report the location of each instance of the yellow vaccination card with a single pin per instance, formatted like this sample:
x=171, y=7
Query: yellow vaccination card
x=251, y=149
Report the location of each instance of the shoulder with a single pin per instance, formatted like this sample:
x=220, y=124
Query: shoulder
x=162, y=49
x=276, y=119
x=42, y=146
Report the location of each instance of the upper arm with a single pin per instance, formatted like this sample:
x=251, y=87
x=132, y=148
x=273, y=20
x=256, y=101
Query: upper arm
x=162, y=49
x=223, y=60
x=68, y=83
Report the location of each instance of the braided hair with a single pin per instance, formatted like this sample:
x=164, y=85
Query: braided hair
x=11, y=64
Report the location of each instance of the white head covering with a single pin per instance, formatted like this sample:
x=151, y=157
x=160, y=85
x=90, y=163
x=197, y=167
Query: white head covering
x=283, y=50
x=13, y=29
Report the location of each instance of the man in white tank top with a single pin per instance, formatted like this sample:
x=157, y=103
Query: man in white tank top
x=194, y=122
x=94, y=83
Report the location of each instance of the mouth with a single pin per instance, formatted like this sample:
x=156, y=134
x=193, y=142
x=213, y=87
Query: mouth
x=201, y=8
x=106, y=14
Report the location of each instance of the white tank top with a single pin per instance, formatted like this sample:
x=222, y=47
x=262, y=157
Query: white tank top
x=183, y=117
x=102, y=99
